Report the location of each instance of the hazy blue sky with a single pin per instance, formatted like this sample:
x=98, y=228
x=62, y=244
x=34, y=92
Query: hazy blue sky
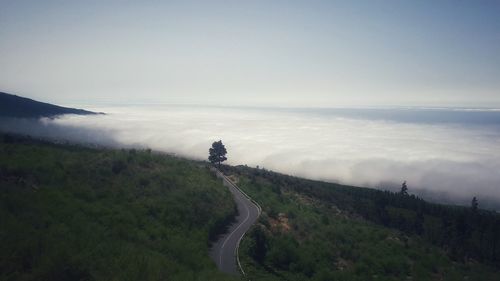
x=311, y=53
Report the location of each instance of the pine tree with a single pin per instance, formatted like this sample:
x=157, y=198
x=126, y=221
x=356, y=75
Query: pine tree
x=217, y=153
x=474, y=204
x=404, y=189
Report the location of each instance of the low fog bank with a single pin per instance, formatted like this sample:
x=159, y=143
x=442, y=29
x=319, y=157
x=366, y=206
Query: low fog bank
x=49, y=129
x=419, y=115
x=444, y=161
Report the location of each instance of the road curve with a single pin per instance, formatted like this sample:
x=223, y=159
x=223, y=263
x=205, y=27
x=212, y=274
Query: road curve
x=225, y=250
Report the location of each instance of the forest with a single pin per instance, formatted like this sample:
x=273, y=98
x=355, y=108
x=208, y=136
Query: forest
x=324, y=231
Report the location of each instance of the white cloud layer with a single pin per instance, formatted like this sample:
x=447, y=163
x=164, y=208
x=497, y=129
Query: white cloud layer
x=456, y=161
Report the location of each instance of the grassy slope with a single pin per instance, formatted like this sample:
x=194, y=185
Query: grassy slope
x=73, y=213
x=306, y=238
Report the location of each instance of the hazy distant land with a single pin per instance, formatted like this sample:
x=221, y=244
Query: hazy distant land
x=19, y=107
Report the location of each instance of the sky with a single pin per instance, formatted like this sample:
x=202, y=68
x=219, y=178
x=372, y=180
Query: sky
x=271, y=53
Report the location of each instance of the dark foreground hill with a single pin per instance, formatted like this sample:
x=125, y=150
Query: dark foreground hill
x=19, y=107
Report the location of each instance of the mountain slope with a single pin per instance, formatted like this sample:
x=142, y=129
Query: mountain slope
x=74, y=213
x=19, y=107
x=311, y=230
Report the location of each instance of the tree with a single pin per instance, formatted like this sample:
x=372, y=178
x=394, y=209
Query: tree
x=258, y=248
x=404, y=189
x=474, y=204
x=217, y=153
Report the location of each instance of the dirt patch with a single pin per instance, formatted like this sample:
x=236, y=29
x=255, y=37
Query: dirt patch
x=233, y=178
x=281, y=224
x=342, y=264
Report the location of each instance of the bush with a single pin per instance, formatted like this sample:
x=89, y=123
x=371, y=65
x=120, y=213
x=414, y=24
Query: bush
x=118, y=166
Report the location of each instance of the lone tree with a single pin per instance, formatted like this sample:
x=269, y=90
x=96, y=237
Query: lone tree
x=474, y=204
x=404, y=189
x=217, y=153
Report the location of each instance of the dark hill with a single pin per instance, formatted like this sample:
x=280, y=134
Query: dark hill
x=15, y=106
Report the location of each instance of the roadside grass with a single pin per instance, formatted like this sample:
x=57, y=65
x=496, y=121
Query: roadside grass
x=69, y=212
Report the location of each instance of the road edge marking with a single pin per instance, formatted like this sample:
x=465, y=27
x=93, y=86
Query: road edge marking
x=259, y=211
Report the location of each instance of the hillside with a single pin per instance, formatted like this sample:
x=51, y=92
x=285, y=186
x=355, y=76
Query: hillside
x=313, y=230
x=19, y=107
x=69, y=212
x=75, y=213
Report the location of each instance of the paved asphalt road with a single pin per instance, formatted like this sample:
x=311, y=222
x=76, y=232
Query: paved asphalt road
x=223, y=251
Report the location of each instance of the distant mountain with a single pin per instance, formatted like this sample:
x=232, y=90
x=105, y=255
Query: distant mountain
x=15, y=106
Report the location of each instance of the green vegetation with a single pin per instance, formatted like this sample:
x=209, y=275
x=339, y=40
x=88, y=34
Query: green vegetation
x=313, y=230
x=75, y=213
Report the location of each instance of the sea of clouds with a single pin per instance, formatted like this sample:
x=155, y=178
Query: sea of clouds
x=450, y=157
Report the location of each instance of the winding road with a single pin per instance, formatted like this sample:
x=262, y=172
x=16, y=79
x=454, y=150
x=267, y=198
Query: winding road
x=225, y=251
